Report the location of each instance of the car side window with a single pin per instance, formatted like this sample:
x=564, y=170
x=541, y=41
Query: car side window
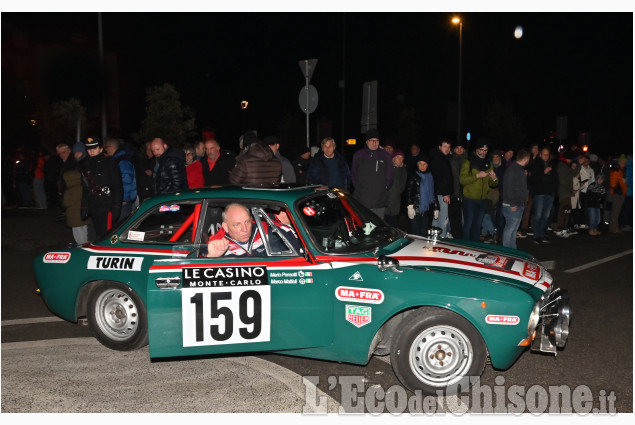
x=169, y=223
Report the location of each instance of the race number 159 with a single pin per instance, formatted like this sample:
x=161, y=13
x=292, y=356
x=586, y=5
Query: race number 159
x=226, y=315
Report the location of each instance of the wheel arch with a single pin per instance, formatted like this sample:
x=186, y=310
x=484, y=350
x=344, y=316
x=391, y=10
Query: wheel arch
x=382, y=340
x=84, y=294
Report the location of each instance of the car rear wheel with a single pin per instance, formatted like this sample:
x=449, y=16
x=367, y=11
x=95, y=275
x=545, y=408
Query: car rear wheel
x=117, y=317
x=435, y=350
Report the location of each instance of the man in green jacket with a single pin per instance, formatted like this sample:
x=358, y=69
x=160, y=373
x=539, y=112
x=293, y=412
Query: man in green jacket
x=477, y=176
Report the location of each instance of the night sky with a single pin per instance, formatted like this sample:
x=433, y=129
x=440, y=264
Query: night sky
x=578, y=65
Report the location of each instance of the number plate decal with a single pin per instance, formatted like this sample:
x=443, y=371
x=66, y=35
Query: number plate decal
x=225, y=306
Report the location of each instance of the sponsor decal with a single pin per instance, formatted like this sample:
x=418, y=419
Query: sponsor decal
x=57, y=257
x=164, y=208
x=495, y=261
x=215, y=277
x=308, y=211
x=360, y=295
x=497, y=319
x=114, y=263
x=358, y=315
x=356, y=276
x=136, y=236
x=531, y=271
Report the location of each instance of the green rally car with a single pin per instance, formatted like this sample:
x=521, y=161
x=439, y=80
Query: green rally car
x=344, y=286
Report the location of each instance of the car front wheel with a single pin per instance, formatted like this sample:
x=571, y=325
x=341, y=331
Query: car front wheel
x=437, y=350
x=117, y=317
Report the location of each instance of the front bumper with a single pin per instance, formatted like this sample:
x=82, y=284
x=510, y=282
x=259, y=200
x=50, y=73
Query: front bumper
x=555, y=316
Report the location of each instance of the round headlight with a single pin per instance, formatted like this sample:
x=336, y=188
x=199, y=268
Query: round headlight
x=534, y=318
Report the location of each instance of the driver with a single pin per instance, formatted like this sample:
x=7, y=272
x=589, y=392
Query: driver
x=240, y=237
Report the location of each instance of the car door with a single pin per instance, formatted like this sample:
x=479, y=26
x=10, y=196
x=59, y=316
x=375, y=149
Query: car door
x=237, y=304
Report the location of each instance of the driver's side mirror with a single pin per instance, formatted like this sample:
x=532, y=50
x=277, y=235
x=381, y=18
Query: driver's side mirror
x=385, y=263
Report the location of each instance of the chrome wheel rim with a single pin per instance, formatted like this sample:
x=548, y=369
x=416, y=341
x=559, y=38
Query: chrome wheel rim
x=116, y=314
x=441, y=356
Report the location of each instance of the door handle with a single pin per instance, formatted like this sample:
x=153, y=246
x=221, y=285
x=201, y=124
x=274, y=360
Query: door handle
x=168, y=282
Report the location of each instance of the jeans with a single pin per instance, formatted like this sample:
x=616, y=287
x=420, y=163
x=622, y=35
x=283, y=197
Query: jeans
x=542, y=212
x=473, y=212
x=594, y=217
x=512, y=223
x=419, y=224
x=442, y=221
x=455, y=211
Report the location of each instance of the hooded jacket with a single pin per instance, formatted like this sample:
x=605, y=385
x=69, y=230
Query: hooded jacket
x=473, y=187
x=256, y=164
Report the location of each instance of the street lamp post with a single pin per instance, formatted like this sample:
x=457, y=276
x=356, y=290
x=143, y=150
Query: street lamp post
x=458, y=124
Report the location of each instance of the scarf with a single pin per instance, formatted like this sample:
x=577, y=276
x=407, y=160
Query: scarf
x=426, y=191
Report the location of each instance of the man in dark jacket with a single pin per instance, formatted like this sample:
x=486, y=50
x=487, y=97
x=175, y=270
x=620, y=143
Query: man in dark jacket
x=169, y=171
x=256, y=164
x=455, y=208
x=329, y=167
x=545, y=186
x=441, y=170
x=301, y=166
x=102, y=188
x=372, y=174
x=214, y=168
x=514, y=197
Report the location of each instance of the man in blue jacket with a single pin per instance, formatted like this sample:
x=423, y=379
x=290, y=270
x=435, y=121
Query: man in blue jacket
x=329, y=168
x=128, y=177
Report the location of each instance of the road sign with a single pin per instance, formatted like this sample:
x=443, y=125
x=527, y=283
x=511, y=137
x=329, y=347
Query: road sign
x=308, y=99
x=307, y=66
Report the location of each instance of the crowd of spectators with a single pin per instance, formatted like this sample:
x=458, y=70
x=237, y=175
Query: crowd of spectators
x=488, y=195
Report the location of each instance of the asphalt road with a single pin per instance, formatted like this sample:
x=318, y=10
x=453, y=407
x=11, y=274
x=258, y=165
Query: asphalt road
x=49, y=365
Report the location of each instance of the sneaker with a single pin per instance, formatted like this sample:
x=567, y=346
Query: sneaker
x=545, y=240
x=549, y=228
x=571, y=232
x=519, y=234
x=576, y=226
x=449, y=235
x=537, y=241
x=562, y=234
x=530, y=231
x=583, y=226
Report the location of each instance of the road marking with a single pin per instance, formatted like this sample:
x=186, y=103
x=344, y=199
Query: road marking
x=598, y=262
x=32, y=320
x=549, y=264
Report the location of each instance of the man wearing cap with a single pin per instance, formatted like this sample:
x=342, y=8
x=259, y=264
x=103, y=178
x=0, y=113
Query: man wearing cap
x=102, y=187
x=301, y=166
x=288, y=175
x=372, y=174
x=400, y=178
x=477, y=176
x=441, y=170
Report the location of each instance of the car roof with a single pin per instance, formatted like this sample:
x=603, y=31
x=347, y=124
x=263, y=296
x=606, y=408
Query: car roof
x=285, y=192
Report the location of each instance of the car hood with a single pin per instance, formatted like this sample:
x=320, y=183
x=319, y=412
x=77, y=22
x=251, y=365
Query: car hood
x=471, y=260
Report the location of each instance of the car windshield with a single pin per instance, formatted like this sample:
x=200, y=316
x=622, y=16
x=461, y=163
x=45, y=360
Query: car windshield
x=338, y=224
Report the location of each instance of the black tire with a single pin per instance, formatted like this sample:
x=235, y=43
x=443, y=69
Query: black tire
x=424, y=351
x=117, y=317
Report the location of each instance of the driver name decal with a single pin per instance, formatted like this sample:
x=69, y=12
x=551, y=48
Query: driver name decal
x=114, y=263
x=215, y=277
x=360, y=295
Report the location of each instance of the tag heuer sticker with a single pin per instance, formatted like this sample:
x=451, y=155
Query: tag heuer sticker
x=358, y=315
x=356, y=276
